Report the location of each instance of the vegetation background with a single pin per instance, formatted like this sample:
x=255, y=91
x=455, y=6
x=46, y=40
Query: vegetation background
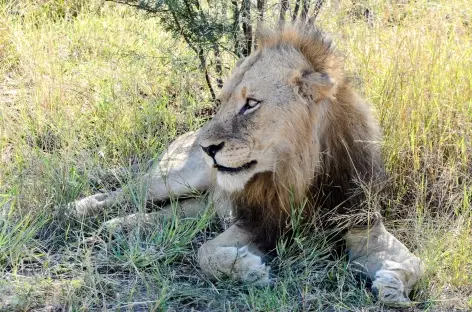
x=91, y=85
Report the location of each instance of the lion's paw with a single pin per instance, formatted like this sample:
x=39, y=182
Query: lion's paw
x=93, y=203
x=389, y=289
x=249, y=267
x=237, y=263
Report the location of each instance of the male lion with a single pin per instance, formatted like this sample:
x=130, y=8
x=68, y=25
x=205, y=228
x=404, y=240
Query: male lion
x=289, y=129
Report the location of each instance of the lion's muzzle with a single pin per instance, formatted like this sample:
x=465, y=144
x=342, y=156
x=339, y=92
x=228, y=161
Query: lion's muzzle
x=232, y=156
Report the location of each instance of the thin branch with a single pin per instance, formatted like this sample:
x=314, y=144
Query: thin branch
x=295, y=10
x=305, y=8
x=260, y=9
x=201, y=57
x=247, y=27
x=218, y=67
x=138, y=5
x=284, y=6
x=235, y=27
x=316, y=11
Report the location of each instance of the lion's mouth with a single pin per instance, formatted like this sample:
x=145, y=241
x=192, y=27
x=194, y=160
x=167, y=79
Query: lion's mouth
x=244, y=167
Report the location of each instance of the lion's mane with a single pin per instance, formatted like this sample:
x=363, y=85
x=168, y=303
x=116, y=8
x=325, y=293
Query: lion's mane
x=347, y=154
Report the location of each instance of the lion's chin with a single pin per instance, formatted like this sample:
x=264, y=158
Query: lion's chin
x=233, y=182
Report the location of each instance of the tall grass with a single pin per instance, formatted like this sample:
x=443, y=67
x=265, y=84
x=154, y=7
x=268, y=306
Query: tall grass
x=87, y=85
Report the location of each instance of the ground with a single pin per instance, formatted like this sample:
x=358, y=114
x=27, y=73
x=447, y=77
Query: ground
x=86, y=86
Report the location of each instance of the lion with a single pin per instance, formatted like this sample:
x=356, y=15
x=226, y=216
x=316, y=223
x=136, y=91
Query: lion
x=290, y=129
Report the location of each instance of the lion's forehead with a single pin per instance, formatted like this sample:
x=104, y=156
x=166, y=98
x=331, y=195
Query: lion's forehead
x=265, y=77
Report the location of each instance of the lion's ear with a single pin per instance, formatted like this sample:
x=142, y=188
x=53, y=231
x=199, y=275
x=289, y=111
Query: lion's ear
x=318, y=86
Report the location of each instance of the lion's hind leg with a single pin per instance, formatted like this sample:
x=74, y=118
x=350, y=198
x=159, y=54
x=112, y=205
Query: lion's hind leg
x=95, y=203
x=393, y=269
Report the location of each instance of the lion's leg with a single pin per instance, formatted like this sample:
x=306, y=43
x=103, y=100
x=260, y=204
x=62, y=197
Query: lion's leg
x=189, y=208
x=393, y=269
x=180, y=170
x=231, y=254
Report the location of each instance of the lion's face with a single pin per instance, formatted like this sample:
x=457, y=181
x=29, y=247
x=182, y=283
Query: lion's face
x=263, y=112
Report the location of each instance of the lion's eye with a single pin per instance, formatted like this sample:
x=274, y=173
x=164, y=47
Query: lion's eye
x=250, y=106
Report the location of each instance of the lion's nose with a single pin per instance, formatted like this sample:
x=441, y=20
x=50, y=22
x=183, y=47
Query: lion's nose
x=211, y=150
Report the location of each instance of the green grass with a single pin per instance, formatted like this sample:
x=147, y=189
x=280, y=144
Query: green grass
x=86, y=85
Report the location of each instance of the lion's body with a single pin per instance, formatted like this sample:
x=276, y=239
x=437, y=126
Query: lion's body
x=290, y=132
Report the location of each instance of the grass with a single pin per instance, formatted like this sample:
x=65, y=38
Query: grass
x=87, y=85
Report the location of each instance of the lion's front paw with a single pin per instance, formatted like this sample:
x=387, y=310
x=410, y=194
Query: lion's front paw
x=249, y=267
x=389, y=289
x=237, y=263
